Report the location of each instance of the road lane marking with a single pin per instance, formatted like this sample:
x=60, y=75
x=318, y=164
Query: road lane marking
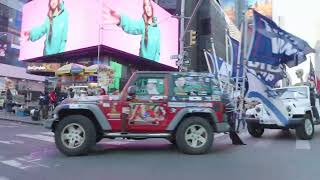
x=24, y=162
x=47, y=133
x=4, y=178
x=37, y=136
x=303, y=144
x=6, y=142
x=15, y=163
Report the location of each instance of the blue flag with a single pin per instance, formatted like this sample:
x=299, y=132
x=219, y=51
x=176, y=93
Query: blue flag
x=272, y=45
x=234, y=58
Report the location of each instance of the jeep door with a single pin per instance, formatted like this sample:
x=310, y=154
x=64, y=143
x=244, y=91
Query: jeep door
x=147, y=110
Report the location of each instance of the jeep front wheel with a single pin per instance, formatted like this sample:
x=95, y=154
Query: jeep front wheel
x=306, y=130
x=255, y=130
x=194, y=136
x=75, y=135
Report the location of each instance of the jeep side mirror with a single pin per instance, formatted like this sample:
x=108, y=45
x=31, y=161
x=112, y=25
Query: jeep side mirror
x=131, y=92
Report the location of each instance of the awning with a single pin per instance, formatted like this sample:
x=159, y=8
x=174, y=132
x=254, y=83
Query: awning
x=18, y=72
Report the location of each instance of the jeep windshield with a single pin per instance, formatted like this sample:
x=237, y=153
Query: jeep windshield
x=292, y=93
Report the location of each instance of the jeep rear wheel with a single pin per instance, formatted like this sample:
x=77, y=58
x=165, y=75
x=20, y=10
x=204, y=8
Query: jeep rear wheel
x=255, y=130
x=75, y=135
x=306, y=130
x=194, y=136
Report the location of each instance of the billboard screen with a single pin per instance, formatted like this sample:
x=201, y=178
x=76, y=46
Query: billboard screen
x=262, y=6
x=138, y=27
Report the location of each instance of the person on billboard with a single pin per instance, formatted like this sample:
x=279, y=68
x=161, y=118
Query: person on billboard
x=55, y=27
x=147, y=27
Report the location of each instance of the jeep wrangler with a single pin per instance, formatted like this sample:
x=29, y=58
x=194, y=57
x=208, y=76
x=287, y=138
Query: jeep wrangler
x=302, y=108
x=184, y=108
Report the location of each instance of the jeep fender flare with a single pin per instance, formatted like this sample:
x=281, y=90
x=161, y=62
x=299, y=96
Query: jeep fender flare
x=96, y=111
x=182, y=113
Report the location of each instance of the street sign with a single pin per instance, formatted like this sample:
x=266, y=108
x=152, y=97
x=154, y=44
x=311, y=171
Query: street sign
x=174, y=57
x=178, y=56
x=186, y=62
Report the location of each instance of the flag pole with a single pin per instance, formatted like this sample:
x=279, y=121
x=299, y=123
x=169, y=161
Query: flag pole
x=238, y=67
x=228, y=60
x=245, y=54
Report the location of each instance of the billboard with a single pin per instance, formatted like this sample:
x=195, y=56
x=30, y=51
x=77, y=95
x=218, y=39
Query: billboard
x=229, y=7
x=138, y=27
x=262, y=6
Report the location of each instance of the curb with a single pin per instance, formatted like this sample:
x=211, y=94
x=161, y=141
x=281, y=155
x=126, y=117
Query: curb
x=21, y=121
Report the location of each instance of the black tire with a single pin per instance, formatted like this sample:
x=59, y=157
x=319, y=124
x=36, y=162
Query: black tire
x=172, y=139
x=89, y=137
x=99, y=137
x=255, y=130
x=183, y=144
x=301, y=130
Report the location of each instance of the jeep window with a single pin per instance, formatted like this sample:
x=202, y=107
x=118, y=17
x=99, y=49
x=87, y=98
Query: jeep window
x=292, y=93
x=191, y=86
x=150, y=86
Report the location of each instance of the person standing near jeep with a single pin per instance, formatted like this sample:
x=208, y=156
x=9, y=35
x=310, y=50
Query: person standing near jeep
x=230, y=113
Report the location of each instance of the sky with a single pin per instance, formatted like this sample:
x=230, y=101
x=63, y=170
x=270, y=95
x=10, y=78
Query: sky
x=301, y=20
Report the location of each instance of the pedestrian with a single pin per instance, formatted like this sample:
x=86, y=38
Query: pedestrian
x=102, y=92
x=71, y=93
x=9, y=101
x=53, y=98
x=44, y=104
x=231, y=116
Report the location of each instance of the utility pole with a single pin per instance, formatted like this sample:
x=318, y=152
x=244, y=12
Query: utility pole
x=181, y=38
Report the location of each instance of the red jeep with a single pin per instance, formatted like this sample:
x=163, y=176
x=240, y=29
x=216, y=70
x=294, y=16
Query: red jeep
x=184, y=108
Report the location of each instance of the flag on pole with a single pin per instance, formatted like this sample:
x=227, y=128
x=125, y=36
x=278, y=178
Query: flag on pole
x=312, y=76
x=260, y=92
x=272, y=45
x=234, y=57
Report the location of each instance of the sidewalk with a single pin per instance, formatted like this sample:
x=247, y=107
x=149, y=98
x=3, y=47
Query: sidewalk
x=5, y=116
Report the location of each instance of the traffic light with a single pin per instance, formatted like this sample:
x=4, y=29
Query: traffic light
x=193, y=37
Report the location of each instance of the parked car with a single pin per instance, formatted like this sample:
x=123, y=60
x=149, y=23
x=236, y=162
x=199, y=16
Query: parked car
x=302, y=115
x=184, y=108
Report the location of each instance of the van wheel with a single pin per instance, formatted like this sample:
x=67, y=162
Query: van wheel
x=75, y=135
x=306, y=130
x=255, y=130
x=194, y=136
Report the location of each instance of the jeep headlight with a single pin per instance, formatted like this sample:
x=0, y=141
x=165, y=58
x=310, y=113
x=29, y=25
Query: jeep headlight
x=289, y=109
x=258, y=109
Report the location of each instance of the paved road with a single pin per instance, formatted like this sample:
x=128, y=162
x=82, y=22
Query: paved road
x=27, y=152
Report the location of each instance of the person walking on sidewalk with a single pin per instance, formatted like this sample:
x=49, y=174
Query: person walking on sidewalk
x=44, y=105
x=9, y=101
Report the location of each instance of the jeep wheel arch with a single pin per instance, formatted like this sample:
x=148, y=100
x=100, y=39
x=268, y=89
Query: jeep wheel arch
x=205, y=113
x=91, y=111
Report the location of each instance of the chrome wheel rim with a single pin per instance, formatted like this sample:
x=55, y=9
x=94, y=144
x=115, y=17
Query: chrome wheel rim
x=73, y=136
x=196, y=136
x=308, y=126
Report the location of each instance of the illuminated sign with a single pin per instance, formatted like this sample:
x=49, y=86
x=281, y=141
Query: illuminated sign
x=138, y=27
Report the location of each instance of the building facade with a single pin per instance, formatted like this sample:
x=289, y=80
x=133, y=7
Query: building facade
x=10, y=67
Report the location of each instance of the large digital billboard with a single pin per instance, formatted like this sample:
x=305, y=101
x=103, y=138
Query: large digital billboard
x=138, y=27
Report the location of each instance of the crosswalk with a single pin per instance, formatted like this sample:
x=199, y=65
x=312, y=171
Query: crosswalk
x=267, y=142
